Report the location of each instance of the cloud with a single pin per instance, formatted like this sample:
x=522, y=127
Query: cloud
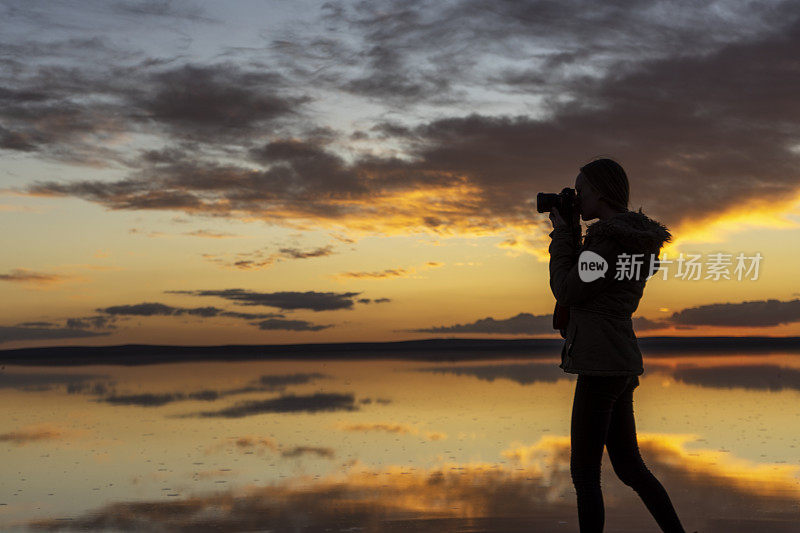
x=96, y=322
x=641, y=323
x=524, y=374
x=260, y=444
x=23, y=275
x=199, y=101
x=142, y=309
x=156, y=9
x=14, y=333
x=266, y=383
x=97, y=388
x=383, y=274
x=376, y=300
x=149, y=399
x=291, y=325
x=747, y=376
x=380, y=427
x=259, y=259
x=461, y=173
x=42, y=432
x=284, y=300
x=399, y=272
x=250, y=316
x=250, y=441
x=39, y=381
x=754, y=313
x=298, y=451
x=521, y=324
x=80, y=111
x=159, y=309
x=280, y=381
x=309, y=403
x=209, y=234
x=295, y=253
x=392, y=428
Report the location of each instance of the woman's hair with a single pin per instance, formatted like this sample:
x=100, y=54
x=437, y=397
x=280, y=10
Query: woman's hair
x=609, y=179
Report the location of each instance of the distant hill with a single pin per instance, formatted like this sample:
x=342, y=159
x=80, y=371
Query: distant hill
x=448, y=349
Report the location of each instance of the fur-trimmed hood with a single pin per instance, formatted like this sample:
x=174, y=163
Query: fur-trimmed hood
x=633, y=230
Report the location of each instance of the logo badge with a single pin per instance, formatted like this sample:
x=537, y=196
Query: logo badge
x=591, y=266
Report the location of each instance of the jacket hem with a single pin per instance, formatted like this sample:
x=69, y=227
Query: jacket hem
x=599, y=312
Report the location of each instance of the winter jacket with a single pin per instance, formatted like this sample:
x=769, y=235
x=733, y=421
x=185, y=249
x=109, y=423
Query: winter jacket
x=599, y=336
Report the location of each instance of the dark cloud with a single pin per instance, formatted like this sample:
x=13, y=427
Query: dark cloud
x=299, y=451
x=144, y=400
x=261, y=258
x=159, y=309
x=521, y=324
x=97, y=388
x=95, y=322
x=524, y=373
x=22, y=275
x=755, y=313
x=756, y=377
x=37, y=324
x=266, y=383
x=291, y=325
x=280, y=381
x=75, y=113
x=198, y=101
x=25, y=436
x=309, y=170
x=44, y=380
x=311, y=403
x=641, y=323
x=250, y=316
x=294, y=253
x=286, y=300
x=142, y=309
x=382, y=274
x=15, y=333
x=382, y=401
x=155, y=9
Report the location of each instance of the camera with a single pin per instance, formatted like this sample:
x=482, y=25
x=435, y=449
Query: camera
x=566, y=201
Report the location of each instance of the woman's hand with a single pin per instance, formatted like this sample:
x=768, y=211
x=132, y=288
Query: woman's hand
x=556, y=218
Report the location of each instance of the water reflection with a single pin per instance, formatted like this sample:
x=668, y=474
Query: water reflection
x=385, y=446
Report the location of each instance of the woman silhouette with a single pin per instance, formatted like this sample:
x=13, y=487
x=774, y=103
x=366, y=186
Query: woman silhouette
x=600, y=344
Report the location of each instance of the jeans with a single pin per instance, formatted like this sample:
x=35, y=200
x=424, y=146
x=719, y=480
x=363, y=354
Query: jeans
x=602, y=414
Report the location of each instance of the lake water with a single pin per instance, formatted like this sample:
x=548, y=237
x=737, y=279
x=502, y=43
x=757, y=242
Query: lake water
x=386, y=445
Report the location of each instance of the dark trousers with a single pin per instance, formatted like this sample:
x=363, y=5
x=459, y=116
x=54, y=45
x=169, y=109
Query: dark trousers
x=602, y=414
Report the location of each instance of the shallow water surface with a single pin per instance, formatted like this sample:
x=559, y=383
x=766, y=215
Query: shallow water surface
x=385, y=445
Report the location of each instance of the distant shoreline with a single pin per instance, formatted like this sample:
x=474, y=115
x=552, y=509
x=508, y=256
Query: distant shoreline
x=436, y=349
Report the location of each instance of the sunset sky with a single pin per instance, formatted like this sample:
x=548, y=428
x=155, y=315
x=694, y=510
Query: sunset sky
x=291, y=171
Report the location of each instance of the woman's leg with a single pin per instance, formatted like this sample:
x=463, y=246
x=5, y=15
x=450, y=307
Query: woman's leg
x=623, y=450
x=591, y=416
